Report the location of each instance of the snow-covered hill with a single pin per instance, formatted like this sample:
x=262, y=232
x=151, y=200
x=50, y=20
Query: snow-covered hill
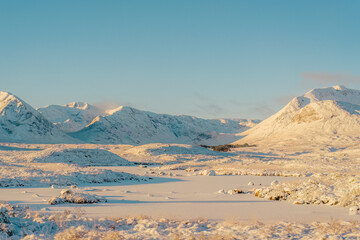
x=72, y=117
x=126, y=125
x=19, y=122
x=326, y=115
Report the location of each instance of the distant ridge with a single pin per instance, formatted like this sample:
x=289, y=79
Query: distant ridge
x=126, y=125
x=80, y=122
x=325, y=115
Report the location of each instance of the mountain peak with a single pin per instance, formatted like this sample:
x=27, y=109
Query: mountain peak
x=9, y=100
x=335, y=93
x=72, y=116
x=339, y=87
x=330, y=114
x=79, y=105
x=19, y=122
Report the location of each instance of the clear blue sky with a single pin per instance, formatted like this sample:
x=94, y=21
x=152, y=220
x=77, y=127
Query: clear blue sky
x=241, y=58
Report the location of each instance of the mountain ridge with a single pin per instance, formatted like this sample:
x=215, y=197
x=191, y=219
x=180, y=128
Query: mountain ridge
x=127, y=125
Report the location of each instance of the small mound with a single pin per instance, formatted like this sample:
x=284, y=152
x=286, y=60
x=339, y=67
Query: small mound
x=68, y=196
x=157, y=149
x=81, y=157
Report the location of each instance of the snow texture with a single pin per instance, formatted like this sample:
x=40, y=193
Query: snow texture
x=18, y=223
x=330, y=190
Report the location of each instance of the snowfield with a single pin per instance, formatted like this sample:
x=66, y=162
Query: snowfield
x=181, y=184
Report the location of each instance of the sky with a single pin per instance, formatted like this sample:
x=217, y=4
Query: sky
x=210, y=59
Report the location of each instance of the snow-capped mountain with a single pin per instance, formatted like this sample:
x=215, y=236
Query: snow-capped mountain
x=19, y=122
x=325, y=115
x=71, y=117
x=126, y=125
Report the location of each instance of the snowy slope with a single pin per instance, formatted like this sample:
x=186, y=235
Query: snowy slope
x=326, y=115
x=71, y=117
x=79, y=156
x=19, y=122
x=126, y=125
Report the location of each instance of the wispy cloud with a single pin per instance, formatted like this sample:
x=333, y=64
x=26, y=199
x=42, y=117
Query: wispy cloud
x=106, y=105
x=329, y=78
x=264, y=110
x=207, y=107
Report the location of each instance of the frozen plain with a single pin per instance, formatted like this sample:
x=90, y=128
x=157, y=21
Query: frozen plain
x=171, y=182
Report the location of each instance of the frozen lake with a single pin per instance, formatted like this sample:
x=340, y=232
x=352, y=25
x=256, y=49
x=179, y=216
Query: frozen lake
x=182, y=197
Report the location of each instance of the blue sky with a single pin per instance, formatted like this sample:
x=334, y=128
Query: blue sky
x=211, y=59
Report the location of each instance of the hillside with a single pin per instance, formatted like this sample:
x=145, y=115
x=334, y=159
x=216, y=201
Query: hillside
x=326, y=115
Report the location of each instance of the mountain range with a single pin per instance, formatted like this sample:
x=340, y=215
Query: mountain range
x=324, y=115
x=126, y=125
x=79, y=122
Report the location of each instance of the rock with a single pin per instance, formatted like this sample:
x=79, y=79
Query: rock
x=250, y=184
x=230, y=192
x=257, y=192
x=273, y=183
x=354, y=210
x=221, y=191
x=287, y=190
x=238, y=191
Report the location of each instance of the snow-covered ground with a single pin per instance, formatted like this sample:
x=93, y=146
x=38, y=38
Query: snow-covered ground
x=19, y=223
x=184, y=191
